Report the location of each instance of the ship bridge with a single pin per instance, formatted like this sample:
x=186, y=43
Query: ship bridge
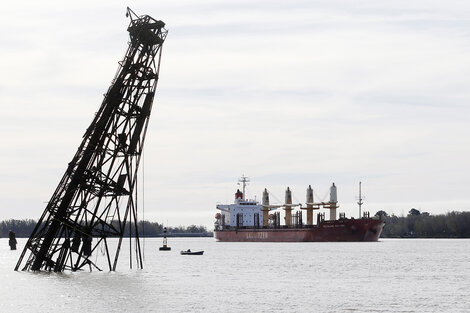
x=243, y=212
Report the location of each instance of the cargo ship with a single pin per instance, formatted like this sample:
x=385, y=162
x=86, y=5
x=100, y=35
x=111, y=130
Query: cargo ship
x=248, y=220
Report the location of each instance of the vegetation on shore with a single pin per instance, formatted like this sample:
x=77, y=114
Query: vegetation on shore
x=24, y=228
x=414, y=225
x=425, y=225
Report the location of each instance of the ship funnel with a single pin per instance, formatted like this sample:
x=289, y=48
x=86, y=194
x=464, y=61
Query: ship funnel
x=265, y=197
x=288, y=196
x=333, y=194
x=309, y=195
x=239, y=195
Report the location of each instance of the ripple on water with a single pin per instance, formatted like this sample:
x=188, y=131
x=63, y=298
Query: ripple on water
x=402, y=275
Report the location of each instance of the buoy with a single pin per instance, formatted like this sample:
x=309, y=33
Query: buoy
x=165, y=246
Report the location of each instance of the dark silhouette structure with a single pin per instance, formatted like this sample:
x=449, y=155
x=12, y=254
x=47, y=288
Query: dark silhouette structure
x=97, y=196
x=12, y=240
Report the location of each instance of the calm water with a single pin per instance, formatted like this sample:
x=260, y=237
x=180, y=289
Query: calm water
x=402, y=275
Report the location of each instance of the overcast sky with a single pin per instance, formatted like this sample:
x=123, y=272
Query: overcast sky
x=289, y=93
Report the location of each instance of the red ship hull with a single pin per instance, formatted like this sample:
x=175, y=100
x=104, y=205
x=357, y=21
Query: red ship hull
x=339, y=230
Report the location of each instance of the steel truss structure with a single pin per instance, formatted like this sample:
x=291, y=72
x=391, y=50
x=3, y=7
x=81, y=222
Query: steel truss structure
x=97, y=197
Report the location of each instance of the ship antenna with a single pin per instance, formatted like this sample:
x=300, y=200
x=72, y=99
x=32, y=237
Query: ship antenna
x=243, y=180
x=360, y=202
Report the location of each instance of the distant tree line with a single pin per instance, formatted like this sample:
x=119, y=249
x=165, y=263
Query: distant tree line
x=24, y=228
x=154, y=229
x=414, y=225
x=425, y=225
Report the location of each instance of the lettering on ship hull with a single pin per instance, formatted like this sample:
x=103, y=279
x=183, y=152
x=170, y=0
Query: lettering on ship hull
x=333, y=226
x=257, y=235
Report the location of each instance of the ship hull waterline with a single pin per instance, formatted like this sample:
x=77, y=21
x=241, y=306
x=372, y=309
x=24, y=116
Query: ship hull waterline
x=329, y=231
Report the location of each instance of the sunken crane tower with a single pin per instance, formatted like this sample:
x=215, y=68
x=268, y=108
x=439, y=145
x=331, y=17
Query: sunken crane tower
x=97, y=197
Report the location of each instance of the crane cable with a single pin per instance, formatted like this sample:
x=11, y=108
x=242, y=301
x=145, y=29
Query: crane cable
x=324, y=197
x=143, y=203
x=272, y=195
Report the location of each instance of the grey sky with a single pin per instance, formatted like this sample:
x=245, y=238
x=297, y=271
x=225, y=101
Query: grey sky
x=289, y=93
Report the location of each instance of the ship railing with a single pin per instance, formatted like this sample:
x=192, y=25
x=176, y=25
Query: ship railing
x=271, y=226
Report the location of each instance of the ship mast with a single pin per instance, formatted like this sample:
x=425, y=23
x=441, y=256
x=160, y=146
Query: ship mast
x=243, y=180
x=360, y=202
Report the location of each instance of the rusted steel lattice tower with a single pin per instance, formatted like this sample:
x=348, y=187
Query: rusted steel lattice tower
x=97, y=196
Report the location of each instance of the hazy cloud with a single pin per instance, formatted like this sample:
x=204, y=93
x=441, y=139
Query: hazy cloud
x=289, y=93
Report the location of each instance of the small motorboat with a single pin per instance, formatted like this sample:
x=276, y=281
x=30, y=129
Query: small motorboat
x=189, y=252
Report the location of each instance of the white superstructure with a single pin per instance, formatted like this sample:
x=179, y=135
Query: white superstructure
x=251, y=213
x=246, y=212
